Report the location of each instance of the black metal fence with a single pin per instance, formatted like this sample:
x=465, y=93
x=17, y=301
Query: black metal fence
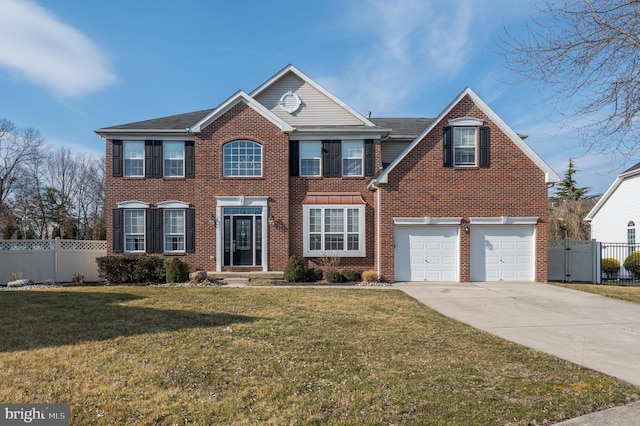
x=613, y=259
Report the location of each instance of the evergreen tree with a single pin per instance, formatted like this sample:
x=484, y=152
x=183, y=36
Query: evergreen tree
x=569, y=206
x=567, y=187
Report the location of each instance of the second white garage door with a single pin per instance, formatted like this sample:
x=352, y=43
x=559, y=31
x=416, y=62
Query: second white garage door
x=502, y=253
x=426, y=253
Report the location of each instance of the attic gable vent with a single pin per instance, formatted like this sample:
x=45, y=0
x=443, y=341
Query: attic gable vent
x=290, y=102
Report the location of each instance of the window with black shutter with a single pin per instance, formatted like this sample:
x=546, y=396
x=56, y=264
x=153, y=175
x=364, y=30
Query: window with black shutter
x=116, y=155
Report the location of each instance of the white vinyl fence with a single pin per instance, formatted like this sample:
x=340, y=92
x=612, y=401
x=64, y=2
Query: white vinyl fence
x=56, y=260
x=574, y=260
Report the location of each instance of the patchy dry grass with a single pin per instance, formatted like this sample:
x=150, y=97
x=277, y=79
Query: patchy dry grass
x=160, y=356
x=628, y=293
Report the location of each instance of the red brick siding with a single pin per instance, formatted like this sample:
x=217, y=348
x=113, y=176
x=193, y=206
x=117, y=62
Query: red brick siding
x=241, y=122
x=420, y=186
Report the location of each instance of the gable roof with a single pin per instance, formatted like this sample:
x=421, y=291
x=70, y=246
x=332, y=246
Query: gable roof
x=194, y=122
x=550, y=175
x=291, y=69
x=631, y=171
x=240, y=96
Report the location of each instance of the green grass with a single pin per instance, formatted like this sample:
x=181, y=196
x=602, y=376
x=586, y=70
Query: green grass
x=275, y=356
x=628, y=293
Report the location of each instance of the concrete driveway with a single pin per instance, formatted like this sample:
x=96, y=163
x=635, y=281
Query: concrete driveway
x=594, y=331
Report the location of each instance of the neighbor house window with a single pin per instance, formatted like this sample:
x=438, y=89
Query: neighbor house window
x=464, y=146
x=134, y=158
x=352, y=156
x=174, y=230
x=310, y=155
x=334, y=230
x=134, y=229
x=173, y=153
x=631, y=236
x=242, y=159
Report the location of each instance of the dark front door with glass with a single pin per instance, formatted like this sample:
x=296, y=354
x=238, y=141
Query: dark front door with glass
x=242, y=237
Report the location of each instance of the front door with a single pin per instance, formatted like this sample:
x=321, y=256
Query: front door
x=242, y=237
x=243, y=241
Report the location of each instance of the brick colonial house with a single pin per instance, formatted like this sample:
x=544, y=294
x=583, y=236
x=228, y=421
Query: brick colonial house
x=290, y=169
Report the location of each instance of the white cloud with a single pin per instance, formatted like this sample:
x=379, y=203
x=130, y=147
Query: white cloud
x=412, y=43
x=38, y=47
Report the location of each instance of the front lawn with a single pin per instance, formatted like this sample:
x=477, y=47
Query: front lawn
x=628, y=293
x=160, y=356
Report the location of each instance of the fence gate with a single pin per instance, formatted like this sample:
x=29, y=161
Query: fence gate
x=574, y=260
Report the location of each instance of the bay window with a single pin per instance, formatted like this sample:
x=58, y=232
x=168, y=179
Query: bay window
x=334, y=230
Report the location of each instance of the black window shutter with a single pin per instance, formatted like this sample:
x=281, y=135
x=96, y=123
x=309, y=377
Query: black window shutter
x=148, y=159
x=148, y=237
x=153, y=236
x=116, y=158
x=158, y=230
x=485, y=147
x=189, y=159
x=447, y=154
x=294, y=158
x=157, y=159
x=331, y=158
x=118, y=231
x=190, y=225
x=336, y=158
x=368, y=157
x=326, y=158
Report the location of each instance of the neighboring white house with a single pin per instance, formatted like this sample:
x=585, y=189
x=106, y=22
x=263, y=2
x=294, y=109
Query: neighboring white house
x=616, y=216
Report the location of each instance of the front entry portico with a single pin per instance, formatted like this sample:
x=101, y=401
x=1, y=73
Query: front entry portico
x=240, y=234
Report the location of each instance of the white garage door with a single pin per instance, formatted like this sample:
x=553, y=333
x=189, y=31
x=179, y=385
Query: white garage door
x=426, y=253
x=502, y=253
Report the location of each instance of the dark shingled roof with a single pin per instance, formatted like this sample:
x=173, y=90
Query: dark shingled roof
x=172, y=122
x=408, y=128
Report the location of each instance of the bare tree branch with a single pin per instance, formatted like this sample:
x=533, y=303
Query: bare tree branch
x=587, y=52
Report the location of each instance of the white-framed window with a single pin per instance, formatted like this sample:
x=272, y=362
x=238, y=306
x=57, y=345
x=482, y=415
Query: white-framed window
x=242, y=159
x=134, y=230
x=174, y=230
x=134, y=158
x=310, y=158
x=464, y=146
x=352, y=158
x=173, y=153
x=334, y=230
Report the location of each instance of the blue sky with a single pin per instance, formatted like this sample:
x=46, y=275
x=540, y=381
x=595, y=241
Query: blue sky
x=69, y=67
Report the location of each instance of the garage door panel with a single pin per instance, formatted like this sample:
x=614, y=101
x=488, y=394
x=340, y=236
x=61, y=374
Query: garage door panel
x=426, y=253
x=502, y=252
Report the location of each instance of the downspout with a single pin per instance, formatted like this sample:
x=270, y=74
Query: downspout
x=376, y=186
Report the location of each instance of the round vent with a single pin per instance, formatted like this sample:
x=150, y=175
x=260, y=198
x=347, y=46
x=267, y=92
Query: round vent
x=290, y=102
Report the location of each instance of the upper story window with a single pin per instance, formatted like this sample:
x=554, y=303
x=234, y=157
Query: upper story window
x=332, y=158
x=242, y=159
x=153, y=158
x=310, y=158
x=466, y=143
x=173, y=153
x=352, y=158
x=464, y=146
x=134, y=158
